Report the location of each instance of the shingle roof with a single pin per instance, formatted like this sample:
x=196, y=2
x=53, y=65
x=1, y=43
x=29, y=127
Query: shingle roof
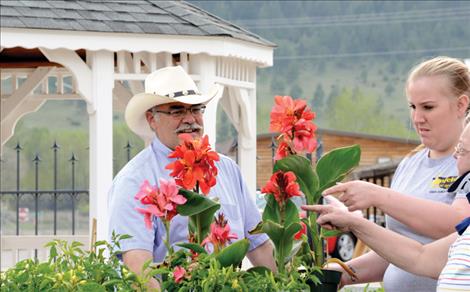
x=137, y=16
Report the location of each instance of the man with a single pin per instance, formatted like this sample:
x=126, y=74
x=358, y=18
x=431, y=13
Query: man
x=172, y=105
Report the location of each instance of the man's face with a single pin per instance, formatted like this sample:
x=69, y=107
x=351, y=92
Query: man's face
x=462, y=151
x=170, y=120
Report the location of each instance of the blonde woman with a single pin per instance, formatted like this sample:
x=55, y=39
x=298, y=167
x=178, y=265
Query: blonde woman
x=435, y=259
x=418, y=205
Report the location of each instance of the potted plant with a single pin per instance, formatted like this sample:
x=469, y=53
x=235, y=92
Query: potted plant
x=296, y=176
x=298, y=242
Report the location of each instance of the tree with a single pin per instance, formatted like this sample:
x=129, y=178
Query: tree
x=318, y=97
x=296, y=91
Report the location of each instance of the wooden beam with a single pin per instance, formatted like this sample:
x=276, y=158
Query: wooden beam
x=26, y=88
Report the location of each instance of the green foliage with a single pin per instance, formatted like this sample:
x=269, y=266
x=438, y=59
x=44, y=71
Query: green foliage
x=350, y=114
x=330, y=169
x=70, y=268
x=200, y=210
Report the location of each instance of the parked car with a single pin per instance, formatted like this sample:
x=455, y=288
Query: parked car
x=341, y=246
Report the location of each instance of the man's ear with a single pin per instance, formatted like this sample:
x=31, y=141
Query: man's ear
x=150, y=120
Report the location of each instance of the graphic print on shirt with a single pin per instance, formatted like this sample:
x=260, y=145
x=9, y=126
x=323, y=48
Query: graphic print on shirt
x=440, y=184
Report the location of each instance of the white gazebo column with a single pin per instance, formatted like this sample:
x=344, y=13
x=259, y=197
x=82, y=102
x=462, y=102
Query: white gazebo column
x=204, y=67
x=247, y=135
x=101, y=137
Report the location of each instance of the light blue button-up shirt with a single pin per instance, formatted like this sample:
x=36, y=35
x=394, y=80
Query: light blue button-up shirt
x=236, y=203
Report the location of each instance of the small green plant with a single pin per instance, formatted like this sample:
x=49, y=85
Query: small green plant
x=71, y=268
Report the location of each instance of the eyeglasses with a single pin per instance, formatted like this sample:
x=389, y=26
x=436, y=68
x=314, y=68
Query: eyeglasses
x=181, y=112
x=460, y=151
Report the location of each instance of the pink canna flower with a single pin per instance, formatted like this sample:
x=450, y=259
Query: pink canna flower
x=160, y=202
x=220, y=234
x=179, y=274
x=282, y=185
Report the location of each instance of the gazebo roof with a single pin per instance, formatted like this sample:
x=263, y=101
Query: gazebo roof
x=119, y=16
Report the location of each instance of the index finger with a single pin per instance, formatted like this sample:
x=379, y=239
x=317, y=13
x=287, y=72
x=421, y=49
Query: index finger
x=339, y=188
x=314, y=208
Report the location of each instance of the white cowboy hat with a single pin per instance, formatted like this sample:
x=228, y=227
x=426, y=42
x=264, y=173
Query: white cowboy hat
x=166, y=85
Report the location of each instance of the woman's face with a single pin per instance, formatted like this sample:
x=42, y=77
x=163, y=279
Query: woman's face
x=462, y=151
x=435, y=114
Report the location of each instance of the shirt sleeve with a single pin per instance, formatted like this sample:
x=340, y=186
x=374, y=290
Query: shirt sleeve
x=125, y=219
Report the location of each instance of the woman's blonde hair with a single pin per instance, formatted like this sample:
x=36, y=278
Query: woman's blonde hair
x=456, y=72
x=453, y=69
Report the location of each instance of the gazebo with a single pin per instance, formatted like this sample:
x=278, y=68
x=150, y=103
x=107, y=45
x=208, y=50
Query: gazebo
x=101, y=51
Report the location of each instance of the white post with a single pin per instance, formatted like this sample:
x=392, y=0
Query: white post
x=101, y=138
x=247, y=138
x=205, y=67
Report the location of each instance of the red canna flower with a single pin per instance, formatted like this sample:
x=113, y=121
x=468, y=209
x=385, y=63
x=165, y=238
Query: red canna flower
x=220, y=234
x=282, y=151
x=195, y=163
x=294, y=120
x=179, y=274
x=304, y=136
x=160, y=202
x=301, y=232
x=282, y=185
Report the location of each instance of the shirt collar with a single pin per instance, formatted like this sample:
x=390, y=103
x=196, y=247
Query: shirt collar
x=159, y=147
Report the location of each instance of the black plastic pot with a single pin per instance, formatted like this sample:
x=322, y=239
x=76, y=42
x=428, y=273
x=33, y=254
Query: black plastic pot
x=329, y=281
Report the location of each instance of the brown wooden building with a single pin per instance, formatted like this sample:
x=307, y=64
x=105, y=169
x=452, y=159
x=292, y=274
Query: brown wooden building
x=375, y=150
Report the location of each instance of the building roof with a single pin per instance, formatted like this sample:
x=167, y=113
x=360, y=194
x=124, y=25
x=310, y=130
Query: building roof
x=121, y=16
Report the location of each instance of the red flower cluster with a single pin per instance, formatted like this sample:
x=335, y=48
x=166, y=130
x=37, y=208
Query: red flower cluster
x=160, y=202
x=220, y=234
x=294, y=120
x=282, y=185
x=194, y=164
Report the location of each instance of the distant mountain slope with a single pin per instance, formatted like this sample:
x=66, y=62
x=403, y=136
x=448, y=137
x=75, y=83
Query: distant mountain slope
x=328, y=49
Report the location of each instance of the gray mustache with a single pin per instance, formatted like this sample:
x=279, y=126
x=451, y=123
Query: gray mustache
x=185, y=127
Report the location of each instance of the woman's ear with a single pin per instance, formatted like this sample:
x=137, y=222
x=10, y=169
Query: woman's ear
x=462, y=105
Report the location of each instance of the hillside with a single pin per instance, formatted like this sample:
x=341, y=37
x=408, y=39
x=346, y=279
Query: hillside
x=328, y=48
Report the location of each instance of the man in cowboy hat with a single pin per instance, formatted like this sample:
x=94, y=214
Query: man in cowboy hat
x=172, y=105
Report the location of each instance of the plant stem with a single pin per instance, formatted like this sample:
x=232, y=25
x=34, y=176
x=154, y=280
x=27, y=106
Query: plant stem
x=198, y=229
x=317, y=247
x=167, y=240
x=280, y=259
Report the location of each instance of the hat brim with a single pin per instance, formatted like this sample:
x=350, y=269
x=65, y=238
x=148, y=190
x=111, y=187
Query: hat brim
x=140, y=103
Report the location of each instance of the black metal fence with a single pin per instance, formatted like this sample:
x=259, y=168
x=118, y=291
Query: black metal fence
x=27, y=208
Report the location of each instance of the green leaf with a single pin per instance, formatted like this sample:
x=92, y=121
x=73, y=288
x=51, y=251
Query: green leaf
x=195, y=204
x=199, y=209
x=306, y=177
x=112, y=282
x=291, y=213
x=234, y=253
x=282, y=237
x=336, y=164
x=329, y=233
x=92, y=287
x=259, y=270
x=271, y=211
x=192, y=246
